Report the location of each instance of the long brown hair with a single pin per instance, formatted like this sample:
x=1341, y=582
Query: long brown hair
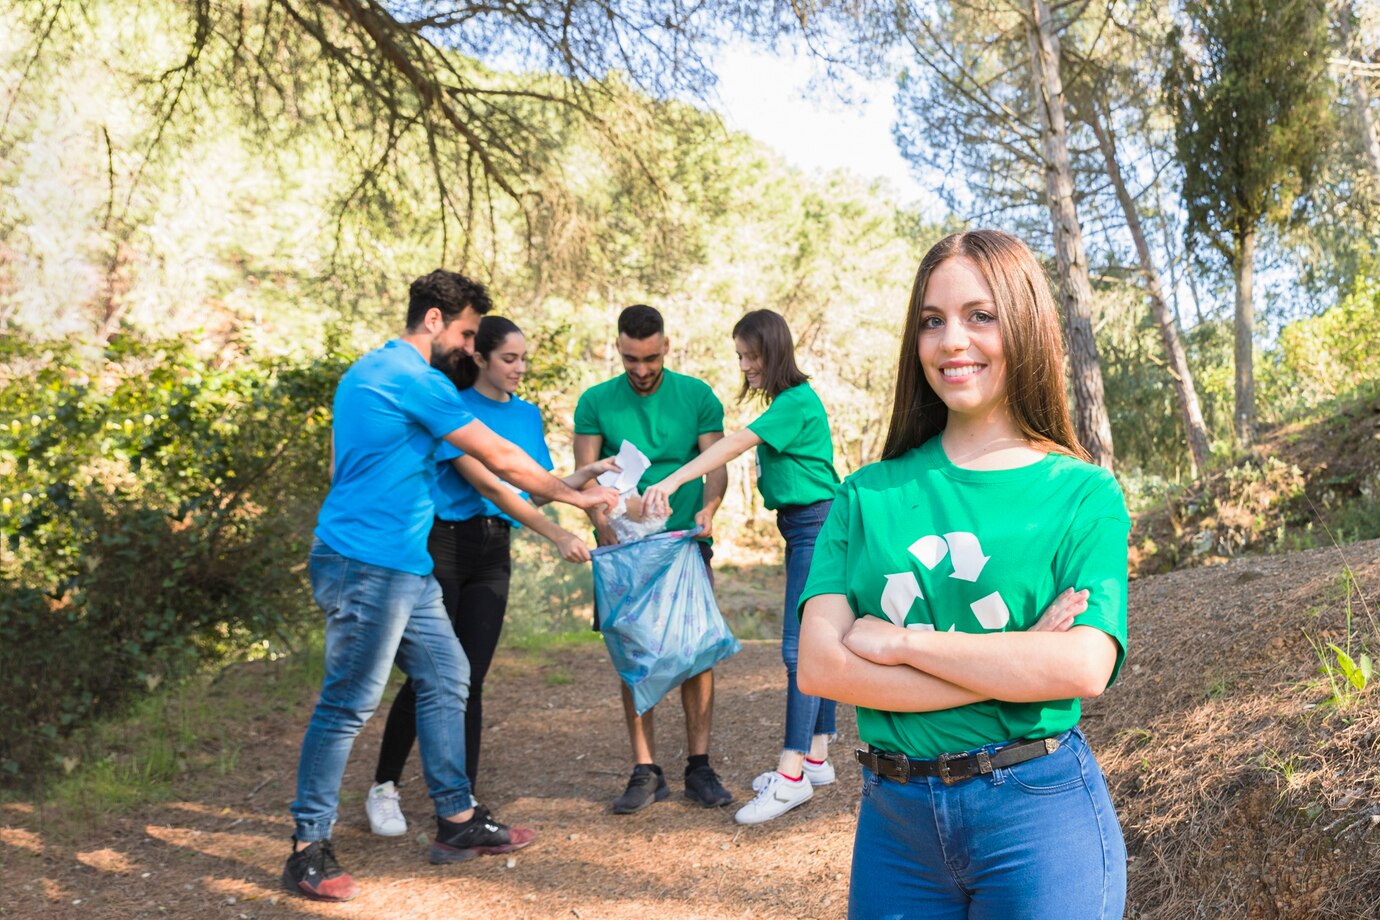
x=766, y=335
x=1030, y=338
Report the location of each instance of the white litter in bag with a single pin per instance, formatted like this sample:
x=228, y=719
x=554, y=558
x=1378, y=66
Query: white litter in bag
x=626, y=518
x=628, y=521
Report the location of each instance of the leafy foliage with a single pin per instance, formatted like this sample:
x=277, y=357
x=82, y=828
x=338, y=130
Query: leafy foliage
x=152, y=517
x=1251, y=111
x=1329, y=354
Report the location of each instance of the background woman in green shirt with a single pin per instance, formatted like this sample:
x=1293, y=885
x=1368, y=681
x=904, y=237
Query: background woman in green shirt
x=980, y=795
x=795, y=456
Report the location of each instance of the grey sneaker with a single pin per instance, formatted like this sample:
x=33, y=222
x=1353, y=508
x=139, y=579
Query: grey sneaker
x=481, y=835
x=646, y=785
x=702, y=787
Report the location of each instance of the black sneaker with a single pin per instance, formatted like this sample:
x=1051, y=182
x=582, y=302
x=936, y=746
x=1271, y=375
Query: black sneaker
x=313, y=872
x=481, y=835
x=702, y=787
x=646, y=785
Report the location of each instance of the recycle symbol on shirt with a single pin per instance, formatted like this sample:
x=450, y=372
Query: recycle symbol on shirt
x=902, y=589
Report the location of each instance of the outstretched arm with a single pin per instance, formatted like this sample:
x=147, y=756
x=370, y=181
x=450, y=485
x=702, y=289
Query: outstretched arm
x=512, y=464
x=583, y=476
x=657, y=499
x=571, y=547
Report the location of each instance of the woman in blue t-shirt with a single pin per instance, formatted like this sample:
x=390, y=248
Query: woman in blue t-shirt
x=470, y=546
x=981, y=797
x=795, y=474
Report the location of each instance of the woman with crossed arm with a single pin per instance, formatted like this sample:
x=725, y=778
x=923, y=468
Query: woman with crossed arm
x=981, y=798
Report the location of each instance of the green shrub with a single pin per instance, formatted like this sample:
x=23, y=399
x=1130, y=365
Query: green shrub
x=155, y=512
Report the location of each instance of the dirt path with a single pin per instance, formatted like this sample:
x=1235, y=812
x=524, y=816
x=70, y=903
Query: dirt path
x=1239, y=794
x=555, y=755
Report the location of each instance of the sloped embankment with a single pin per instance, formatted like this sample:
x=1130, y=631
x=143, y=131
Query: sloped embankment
x=1241, y=792
x=1304, y=483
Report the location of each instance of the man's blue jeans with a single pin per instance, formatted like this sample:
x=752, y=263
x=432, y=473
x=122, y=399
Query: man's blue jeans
x=375, y=615
x=806, y=716
x=1037, y=841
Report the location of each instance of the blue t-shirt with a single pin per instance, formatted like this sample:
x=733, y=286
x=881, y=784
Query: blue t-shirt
x=391, y=408
x=516, y=420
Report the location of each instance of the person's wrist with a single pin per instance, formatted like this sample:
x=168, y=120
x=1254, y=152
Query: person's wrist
x=912, y=643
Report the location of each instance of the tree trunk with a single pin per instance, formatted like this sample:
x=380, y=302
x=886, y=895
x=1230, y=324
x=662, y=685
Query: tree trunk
x=1360, y=92
x=1085, y=372
x=1370, y=131
x=1245, y=338
x=1164, y=317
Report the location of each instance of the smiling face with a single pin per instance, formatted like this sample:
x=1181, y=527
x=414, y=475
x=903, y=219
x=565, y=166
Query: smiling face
x=451, y=341
x=960, y=343
x=750, y=363
x=644, y=360
x=502, y=370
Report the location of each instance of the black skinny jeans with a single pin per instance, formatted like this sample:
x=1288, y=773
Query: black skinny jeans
x=473, y=565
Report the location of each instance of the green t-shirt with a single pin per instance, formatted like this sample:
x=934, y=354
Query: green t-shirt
x=795, y=461
x=928, y=545
x=665, y=425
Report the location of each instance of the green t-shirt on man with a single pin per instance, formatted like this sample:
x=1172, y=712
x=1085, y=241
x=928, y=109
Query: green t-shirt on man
x=665, y=425
x=929, y=545
x=795, y=461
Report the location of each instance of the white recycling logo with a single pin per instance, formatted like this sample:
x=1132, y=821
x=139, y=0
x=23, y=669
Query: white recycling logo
x=965, y=553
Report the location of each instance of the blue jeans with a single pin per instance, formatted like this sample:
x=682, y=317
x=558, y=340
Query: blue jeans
x=1037, y=840
x=374, y=615
x=473, y=567
x=806, y=716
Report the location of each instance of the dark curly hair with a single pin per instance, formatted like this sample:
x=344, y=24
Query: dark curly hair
x=449, y=292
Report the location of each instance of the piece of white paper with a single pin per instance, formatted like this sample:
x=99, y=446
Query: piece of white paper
x=632, y=463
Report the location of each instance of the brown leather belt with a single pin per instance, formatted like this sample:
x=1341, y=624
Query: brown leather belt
x=954, y=768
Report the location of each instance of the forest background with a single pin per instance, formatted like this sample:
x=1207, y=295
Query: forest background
x=209, y=208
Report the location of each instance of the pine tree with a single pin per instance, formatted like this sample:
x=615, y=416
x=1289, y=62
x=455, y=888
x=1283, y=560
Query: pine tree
x=1250, y=94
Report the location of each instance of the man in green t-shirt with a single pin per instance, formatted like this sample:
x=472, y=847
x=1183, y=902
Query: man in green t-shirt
x=671, y=418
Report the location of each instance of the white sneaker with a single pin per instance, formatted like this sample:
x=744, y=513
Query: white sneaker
x=383, y=807
x=819, y=774
x=776, y=795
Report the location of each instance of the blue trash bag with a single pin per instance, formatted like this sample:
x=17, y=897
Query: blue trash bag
x=658, y=615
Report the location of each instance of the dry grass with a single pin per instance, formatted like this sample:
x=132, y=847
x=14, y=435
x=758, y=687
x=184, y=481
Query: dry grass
x=1239, y=795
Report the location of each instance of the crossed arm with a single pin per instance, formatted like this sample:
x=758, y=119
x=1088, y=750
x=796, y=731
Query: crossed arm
x=873, y=663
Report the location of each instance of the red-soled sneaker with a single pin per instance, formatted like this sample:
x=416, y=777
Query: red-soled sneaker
x=314, y=873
